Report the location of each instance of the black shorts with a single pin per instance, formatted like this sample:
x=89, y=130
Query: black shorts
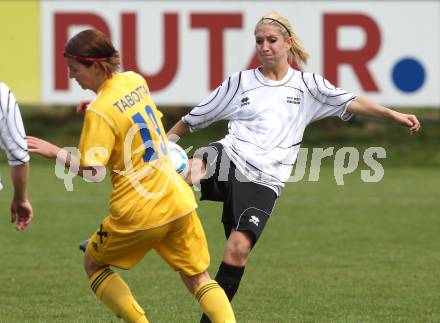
x=246, y=205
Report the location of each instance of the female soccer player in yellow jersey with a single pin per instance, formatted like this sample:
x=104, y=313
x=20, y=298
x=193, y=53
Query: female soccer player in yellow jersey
x=151, y=207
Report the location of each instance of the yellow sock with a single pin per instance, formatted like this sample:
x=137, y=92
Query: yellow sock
x=115, y=294
x=214, y=302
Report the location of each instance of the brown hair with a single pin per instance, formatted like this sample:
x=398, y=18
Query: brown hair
x=91, y=45
x=297, y=53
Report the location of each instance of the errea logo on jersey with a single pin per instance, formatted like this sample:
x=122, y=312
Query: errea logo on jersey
x=254, y=220
x=245, y=101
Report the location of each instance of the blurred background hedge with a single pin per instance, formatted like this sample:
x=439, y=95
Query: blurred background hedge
x=62, y=125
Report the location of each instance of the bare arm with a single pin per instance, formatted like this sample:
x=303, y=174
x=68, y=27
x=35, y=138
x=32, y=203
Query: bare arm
x=177, y=131
x=51, y=151
x=364, y=106
x=21, y=208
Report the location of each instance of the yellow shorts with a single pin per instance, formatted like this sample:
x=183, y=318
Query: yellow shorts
x=181, y=243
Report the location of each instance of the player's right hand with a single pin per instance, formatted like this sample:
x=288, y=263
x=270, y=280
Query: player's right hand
x=21, y=214
x=82, y=107
x=42, y=147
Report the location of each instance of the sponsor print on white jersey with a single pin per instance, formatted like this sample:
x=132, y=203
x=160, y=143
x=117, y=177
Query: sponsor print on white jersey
x=267, y=119
x=12, y=134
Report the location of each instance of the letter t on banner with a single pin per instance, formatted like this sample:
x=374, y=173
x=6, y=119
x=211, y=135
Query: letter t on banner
x=216, y=24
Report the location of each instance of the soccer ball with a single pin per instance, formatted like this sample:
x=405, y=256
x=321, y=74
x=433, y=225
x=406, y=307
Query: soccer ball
x=179, y=159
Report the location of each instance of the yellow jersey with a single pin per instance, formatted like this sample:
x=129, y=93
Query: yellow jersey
x=123, y=131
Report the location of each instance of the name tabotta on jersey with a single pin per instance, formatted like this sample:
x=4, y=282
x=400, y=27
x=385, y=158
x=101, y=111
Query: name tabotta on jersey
x=131, y=98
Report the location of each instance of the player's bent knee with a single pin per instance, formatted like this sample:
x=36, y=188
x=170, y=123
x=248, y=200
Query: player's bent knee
x=238, y=248
x=236, y=257
x=193, y=282
x=90, y=266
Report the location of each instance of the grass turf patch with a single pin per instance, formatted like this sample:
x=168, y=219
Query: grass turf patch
x=362, y=252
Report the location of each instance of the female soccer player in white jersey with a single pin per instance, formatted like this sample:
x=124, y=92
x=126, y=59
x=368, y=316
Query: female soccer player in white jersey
x=268, y=109
x=12, y=141
x=151, y=207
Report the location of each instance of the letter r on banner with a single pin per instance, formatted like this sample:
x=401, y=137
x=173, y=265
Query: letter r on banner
x=358, y=59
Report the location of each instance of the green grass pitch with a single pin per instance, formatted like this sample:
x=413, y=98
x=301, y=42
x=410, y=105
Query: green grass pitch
x=354, y=253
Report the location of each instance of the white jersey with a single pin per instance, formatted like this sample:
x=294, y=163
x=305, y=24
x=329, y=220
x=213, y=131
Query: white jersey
x=267, y=119
x=12, y=134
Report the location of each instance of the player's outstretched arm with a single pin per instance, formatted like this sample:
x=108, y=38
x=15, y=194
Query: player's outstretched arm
x=42, y=147
x=177, y=131
x=21, y=208
x=71, y=162
x=364, y=106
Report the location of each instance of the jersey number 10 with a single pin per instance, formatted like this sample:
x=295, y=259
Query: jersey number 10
x=150, y=154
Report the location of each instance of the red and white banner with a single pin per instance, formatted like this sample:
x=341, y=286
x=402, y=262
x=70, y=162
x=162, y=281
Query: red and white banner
x=388, y=50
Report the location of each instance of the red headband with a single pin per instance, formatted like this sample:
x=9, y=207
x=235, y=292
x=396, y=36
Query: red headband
x=85, y=58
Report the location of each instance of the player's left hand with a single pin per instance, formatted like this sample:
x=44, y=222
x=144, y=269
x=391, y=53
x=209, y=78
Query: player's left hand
x=21, y=214
x=408, y=120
